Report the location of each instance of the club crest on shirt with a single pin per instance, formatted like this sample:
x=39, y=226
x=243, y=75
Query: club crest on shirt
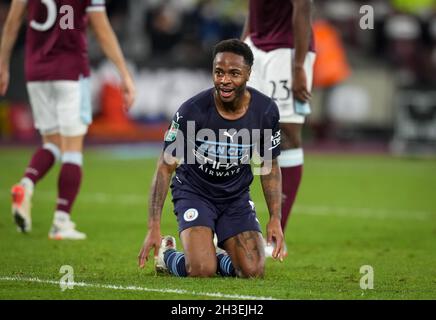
x=172, y=132
x=190, y=215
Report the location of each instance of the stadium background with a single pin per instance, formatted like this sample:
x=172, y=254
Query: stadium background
x=368, y=191
x=383, y=93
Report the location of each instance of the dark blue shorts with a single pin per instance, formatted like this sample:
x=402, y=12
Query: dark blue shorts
x=225, y=219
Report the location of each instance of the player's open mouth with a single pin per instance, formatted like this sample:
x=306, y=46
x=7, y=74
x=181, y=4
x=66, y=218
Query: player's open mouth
x=226, y=93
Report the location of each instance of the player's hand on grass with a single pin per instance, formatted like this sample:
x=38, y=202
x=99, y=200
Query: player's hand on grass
x=299, y=84
x=275, y=235
x=152, y=241
x=4, y=79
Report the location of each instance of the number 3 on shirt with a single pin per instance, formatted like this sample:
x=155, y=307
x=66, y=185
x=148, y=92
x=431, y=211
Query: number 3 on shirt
x=65, y=22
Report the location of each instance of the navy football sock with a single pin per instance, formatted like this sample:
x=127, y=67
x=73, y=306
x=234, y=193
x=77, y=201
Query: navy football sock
x=175, y=262
x=225, y=266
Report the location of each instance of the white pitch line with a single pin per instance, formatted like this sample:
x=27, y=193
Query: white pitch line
x=318, y=210
x=136, y=288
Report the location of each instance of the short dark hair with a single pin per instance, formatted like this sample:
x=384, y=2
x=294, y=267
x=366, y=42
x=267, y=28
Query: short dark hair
x=235, y=46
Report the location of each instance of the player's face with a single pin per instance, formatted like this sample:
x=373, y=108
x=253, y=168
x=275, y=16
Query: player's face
x=230, y=75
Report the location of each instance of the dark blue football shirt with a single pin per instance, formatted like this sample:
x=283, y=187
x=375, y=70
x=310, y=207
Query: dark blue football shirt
x=215, y=152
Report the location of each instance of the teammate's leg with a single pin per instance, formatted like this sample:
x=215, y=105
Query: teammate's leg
x=247, y=254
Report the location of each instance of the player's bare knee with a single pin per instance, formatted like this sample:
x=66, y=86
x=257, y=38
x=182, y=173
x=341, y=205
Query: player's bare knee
x=201, y=269
x=252, y=270
x=72, y=144
x=54, y=139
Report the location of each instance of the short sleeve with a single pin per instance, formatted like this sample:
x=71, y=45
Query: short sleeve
x=269, y=147
x=182, y=125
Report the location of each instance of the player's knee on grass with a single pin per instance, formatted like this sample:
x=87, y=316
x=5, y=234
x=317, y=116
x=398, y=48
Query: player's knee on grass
x=199, y=251
x=251, y=269
x=247, y=254
x=201, y=268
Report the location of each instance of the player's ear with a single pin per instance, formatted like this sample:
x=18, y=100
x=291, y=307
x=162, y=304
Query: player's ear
x=248, y=73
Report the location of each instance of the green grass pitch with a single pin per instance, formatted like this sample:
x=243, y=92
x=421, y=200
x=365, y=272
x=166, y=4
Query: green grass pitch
x=352, y=210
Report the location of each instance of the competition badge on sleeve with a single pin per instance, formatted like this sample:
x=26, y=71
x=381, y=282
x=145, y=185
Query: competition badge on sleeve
x=172, y=132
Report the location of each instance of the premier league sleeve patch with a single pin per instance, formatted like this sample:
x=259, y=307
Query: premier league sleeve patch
x=172, y=132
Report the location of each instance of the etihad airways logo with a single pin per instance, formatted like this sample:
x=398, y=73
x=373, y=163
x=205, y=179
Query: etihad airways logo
x=221, y=150
x=218, y=149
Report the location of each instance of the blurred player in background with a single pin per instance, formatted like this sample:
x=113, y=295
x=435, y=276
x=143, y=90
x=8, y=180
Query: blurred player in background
x=210, y=188
x=279, y=34
x=57, y=75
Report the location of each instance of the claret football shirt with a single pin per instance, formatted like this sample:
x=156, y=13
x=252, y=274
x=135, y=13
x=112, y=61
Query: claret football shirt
x=270, y=24
x=56, y=44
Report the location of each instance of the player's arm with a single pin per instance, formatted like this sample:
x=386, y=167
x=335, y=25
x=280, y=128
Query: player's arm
x=9, y=37
x=111, y=48
x=272, y=190
x=301, y=26
x=159, y=189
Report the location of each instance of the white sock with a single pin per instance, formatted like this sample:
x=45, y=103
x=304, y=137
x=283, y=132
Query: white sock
x=28, y=184
x=73, y=157
x=54, y=149
x=61, y=217
x=291, y=158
